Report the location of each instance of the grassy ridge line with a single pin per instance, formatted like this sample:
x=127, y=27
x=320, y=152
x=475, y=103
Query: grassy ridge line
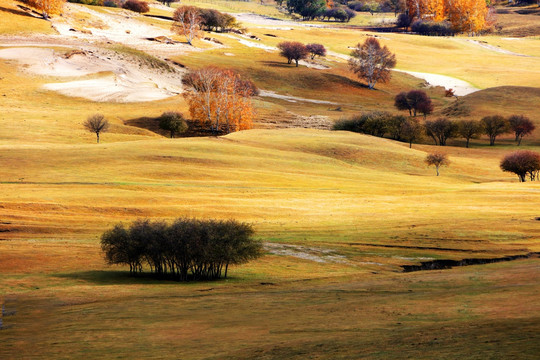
x=295, y=185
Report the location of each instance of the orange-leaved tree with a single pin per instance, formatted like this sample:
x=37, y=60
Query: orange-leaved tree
x=47, y=7
x=220, y=98
x=469, y=16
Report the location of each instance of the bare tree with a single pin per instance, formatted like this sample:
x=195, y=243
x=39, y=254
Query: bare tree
x=469, y=129
x=96, y=124
x=372, y=62
x=187, y=22
x=438, y=160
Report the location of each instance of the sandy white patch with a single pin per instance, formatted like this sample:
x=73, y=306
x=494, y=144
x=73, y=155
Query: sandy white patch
x=460, y=87
x=495, y=48
x=272, y=94
x=112, y=89
x=270, y=22
x=306, y=253
x=129, y=79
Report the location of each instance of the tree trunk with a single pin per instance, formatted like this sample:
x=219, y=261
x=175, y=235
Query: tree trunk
x=296, y=60
x=97, y=134
x=437, y=168
x=172, y=134
x=467, y=145
x=519, y=140
x=410, y=144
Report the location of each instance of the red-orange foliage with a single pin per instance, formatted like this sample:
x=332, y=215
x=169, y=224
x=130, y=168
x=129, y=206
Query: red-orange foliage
x=220, y=98
x=47, y=7
x=468, y=16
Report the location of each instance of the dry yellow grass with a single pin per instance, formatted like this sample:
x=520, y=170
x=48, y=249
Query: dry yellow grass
x=333, y=191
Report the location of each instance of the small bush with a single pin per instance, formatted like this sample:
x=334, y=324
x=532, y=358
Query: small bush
x=431, y=28
x=403, y=21
x=136, y=6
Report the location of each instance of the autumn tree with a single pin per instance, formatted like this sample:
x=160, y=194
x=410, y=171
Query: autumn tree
x=521, y=126
x=464, y=15
x=469, y=129
x=173, y=122
x=293, y=50
x=522, y=163
x=47, y=7
x=371, y=62
x=494, y=126
x=220, y=98
x=136, y=6
x=414, y=101
x=437, y=160
x=440, y=130
x=411, y=131
x=187, y=22
x=96, y=124
x=316, y=50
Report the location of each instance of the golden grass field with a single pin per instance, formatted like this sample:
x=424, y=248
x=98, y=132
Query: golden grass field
x=350, y=210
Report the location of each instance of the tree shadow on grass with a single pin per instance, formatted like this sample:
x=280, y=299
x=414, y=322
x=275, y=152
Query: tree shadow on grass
x=346, y=81
x=117, y=277
x=278, y=64
x=18, y=12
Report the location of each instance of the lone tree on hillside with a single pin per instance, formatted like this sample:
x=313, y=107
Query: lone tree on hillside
x=188, y=249
x=469, y=129
x=438, y=160
x=522, y=163
x=220, y=98
x=293, y=50
x=521, y=126
x=173, y=122
x=494, y=126
x=316, y=50
x=414, y=101
x=371, y=62
x=187, y=22
x=440, y=130
x=96, y=124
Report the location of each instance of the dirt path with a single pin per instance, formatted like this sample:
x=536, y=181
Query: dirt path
x=460, y=87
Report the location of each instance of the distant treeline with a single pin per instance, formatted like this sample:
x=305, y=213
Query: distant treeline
x=187, y=249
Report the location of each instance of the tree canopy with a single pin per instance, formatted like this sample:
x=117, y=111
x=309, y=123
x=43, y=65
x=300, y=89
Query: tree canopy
x=187, y=249
x=371, y=62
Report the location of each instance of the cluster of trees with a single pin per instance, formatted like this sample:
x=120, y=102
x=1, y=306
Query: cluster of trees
x=522, y=163
x=401, y=128
x=220, y=98
x=320, y=9
x=294, y=50
x=469, y=16
x=187, y=249
x=381, y=124
x=372, y=62
x=372, y=7
x=190, y=20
